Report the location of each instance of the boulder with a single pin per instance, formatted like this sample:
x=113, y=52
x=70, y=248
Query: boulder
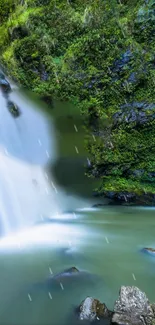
x=13, y=108
x=132, y=308
x=4, y=85
x=92, y=309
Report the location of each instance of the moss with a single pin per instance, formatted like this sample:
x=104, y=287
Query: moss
x=101, y=56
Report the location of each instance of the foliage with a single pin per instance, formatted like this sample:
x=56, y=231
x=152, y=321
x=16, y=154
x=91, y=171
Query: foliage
x=101, y=54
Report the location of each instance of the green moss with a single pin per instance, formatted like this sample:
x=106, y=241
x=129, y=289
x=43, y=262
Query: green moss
x=100, y=54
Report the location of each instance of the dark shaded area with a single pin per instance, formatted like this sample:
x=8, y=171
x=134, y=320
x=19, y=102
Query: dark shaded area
x=84, y=281
x=69, y=173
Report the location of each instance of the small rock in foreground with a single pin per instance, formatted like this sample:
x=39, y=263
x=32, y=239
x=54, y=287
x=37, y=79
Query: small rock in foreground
x=149, y=250
x=92, y=309
x=132, y=308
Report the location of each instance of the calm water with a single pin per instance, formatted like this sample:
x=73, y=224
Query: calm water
x=106, y=243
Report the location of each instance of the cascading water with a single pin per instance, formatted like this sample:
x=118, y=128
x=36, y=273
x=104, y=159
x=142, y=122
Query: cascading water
x=26, y=192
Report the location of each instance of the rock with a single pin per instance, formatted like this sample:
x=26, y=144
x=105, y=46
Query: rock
x=153, y=308
x=68, y=272
x=13, y=108
x=149, y=250
x=92, y=309
x=5, y=86
x=128, y=198
x=132, y=308
x=137, y=113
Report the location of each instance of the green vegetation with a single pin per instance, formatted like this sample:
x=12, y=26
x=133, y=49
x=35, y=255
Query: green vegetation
x=100, y=55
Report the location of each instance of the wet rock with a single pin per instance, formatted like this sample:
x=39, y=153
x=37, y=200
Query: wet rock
x=135, y=113
x=4, y=85
x=128, y=198
x=132, y=308
x=68, y=272
x=120, y=197
x=13, y=108
x=92, y=309
x=149, y=250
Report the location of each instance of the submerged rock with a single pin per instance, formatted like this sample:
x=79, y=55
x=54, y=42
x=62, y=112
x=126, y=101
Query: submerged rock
x=92, y=309
x=132, y=308
x=13, y=108
x=66, y=273
x=149, y=250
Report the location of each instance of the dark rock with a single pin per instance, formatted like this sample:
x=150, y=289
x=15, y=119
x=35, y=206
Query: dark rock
x=122, y=62
x=137, y=113
x=68, y=272
x=149, y=250
x=130, y=198
x=4, y=85
x=132, y=308
x=92, y=309
x=14, y=109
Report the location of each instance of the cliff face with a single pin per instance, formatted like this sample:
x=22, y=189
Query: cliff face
x=100, y=54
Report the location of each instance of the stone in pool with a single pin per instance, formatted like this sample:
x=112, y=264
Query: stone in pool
x=13, y=108
x=149, y=250
x=72, y=270
x=92, y=309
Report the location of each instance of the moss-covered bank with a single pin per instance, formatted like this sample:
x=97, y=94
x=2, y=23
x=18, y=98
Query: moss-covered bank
x=100, y=54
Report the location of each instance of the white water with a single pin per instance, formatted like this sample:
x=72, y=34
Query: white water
x=28, y=194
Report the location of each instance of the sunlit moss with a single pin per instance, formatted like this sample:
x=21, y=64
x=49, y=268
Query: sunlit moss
x=100, y=54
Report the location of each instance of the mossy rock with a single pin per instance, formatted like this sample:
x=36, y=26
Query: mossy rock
x=14, y=109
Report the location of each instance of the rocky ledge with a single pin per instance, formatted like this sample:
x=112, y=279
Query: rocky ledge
x=131, y=308
x=127, y=198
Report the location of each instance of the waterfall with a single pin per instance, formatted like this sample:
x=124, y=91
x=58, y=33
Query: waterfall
x=27, y=192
